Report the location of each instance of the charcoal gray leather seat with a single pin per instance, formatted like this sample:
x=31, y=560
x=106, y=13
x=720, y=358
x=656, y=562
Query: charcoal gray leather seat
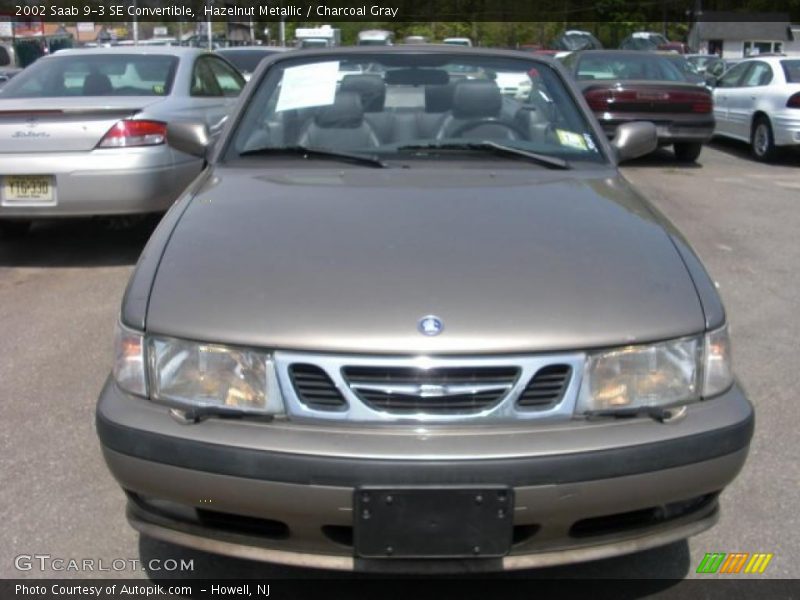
x=340, y=125
x=474, y=101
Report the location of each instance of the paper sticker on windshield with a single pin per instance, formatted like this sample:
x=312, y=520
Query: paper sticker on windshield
x=308, y=85
x=571, y=139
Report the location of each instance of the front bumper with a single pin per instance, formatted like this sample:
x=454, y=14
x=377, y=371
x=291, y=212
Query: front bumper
x=114, y=181
x=219, y=486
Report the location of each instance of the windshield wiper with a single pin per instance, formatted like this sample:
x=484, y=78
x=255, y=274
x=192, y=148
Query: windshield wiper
x=309, y=152
x=552, y=162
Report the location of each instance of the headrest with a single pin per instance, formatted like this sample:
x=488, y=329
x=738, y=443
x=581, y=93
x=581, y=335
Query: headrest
x=476, y=99
x=439, y=98
x=345, y=112
x=371, y=89
x=97, y=84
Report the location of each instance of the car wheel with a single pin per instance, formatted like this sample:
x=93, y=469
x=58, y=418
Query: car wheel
x=14, y=229
x=762, y=142
x=687, y=153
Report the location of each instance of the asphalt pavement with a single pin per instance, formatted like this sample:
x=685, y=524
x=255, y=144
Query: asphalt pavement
x=60, y=289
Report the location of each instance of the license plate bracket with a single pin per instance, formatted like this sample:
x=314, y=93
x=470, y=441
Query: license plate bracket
x=451, y=522
x=28, y=190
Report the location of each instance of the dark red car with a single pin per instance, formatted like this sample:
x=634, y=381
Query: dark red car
x=623, y=85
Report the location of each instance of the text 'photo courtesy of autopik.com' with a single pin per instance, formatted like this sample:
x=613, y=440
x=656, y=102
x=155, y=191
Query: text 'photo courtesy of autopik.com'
x=453, y=298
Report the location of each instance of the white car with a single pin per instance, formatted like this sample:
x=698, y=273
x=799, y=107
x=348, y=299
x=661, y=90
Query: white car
x=758, y=101
x=458, y=41
x=513, y=83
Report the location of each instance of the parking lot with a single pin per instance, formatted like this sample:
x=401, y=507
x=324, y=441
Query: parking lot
x=60, y=289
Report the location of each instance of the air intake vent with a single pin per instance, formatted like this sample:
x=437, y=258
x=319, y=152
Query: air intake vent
x=315, y=389
x=546, y=388
x=460, y=390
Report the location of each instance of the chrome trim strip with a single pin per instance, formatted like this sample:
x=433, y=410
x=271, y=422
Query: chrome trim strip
x=357, y=411
x=428, y=390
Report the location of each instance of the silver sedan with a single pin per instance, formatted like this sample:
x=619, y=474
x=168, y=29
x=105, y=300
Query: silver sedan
x=758, y=101
x=83, y=132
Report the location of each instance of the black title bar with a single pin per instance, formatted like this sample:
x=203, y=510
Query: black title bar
x=387, y=11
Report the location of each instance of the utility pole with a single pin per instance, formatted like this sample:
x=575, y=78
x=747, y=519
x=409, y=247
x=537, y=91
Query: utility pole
x=209, y=31
x=135, y=26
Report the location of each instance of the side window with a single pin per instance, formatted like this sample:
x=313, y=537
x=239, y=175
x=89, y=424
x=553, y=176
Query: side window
x=5, y=57
x=229, y=81
x=204, y=83
x=760, y=74
x=734, y=74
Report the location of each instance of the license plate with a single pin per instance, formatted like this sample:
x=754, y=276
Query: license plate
x=28, y=189
x=433, y=522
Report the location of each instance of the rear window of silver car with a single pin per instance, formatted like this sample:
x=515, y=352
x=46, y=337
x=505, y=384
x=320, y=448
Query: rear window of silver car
x=384, y=103
x=791, y=69
x=95, y=75
x=633, y=66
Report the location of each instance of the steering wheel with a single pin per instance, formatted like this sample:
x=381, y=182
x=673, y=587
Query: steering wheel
x=458, y=131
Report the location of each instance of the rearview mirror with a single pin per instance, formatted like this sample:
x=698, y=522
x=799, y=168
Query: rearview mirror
x=416, y=77
x=634, y=140
x=191, y=137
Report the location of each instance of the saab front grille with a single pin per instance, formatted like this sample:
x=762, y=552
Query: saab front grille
x=546, y=388
x=456, y=390
x=315, y=389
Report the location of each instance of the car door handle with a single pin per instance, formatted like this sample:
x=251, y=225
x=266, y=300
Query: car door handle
x=752, y=97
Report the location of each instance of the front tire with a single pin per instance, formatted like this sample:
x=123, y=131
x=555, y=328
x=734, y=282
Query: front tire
x=686, y=152
x=762, y=142
x=14, y=229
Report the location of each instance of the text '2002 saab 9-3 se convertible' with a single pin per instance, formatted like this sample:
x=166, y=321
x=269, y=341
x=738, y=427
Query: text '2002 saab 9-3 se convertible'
x=401, y=317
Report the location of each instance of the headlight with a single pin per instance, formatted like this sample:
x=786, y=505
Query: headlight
x=717, y=369
x=197, y=374
x=657, y=375
x=129, y=369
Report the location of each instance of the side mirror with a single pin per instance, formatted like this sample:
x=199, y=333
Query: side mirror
x=191, y=137
x=634, y=140
x=711, y=80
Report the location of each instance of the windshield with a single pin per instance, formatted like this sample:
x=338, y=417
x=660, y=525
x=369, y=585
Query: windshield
x=245, y=60
x=628, y=66
x=95, y=75
x=700, y=62
x=393, y=104
x=683, y=65
x=638, y=43
x=576, y=41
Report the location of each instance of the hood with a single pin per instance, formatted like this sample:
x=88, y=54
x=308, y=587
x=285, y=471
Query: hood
x=351, y=260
